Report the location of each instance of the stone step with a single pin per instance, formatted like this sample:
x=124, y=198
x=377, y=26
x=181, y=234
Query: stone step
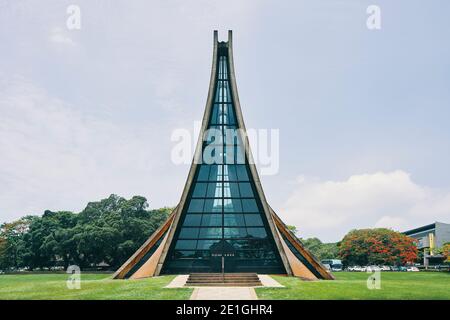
x=223, y=280
x=231, y=284
x=219, y=278
x=226, y=279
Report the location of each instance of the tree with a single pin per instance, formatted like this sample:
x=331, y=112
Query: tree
x=293, y=229
x=321, y=250
x=109, y=230
x=13, y=248
x=377, y=247
x=445, y=251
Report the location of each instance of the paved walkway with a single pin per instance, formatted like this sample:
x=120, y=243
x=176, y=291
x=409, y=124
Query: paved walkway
x=224, y=293
x=268, y=281
x=178, y=281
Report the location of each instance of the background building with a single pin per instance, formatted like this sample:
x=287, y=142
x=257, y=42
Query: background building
x=429, y=238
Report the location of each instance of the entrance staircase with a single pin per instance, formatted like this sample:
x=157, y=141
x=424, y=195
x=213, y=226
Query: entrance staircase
x=223, y=280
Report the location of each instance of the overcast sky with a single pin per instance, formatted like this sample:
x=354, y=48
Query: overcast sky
x=363, y=114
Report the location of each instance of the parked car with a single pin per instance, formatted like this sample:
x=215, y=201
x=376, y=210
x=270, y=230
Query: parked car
x=373, y=268
x=385, y=268
x=412, y=269
x=356, y=269
x=401, y=268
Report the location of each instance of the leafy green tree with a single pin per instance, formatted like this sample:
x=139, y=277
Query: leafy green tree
x=293, y=229
x=377, y=247
x=109, y=230
x=321, y=250
x=13, y=248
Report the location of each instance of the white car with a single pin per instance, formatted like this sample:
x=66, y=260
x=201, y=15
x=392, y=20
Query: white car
x=412, y=269
x=373, y=268
x=385, y=268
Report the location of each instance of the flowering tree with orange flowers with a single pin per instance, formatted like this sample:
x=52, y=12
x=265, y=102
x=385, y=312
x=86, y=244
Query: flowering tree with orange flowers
x=377, y=247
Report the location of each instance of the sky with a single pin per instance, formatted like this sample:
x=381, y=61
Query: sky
x=363, y=115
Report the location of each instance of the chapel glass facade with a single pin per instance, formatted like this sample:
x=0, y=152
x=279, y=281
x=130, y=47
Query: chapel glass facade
x=223, y=224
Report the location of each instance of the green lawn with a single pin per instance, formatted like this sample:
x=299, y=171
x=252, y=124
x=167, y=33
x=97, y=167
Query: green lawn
x=93, y=286
x=398, y=285
x=352, y=285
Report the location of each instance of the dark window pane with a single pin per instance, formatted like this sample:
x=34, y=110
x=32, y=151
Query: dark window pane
x=188, y=233
x=186, y=244
x=192, y=220
x=241, y=173
x=213, y=205
x=241, y=244
x=234, y=233
x=246, y=189
x=196, y=205
x=210, y=233
x=184, y=254
x=203, y=173
x=199, y=190
x=216, y=173
x=214, y=190
x=232, y=205
x=206, y=244
x=253, y=220
x=249, y=205
x=230, y=189
x=230, y=173
x=212, y=220
x=234, y=220
x=257, y=232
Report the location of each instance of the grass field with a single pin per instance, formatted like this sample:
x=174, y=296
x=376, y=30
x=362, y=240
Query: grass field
x=353, y=286
x=399, y=285
x=93, y=286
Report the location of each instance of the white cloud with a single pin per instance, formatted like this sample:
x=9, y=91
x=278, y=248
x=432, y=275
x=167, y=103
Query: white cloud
x=53, y=156
x=329, y=209
x=59, y=36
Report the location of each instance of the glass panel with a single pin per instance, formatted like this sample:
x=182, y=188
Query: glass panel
x=234, y=220
x=246, y=189
x=203, y=172
x=234, y=233
x=232, y=205
x=253, y=220
x=206, y=244
x=212, y=220
x=196, y=205
x=184, y=254
x=229, y=173
x=215, y=173
x=186, y=244
x=214, y=190
x=257, y=232
x=192, y=220
x=230, y=190
x=249, y=205
x=199, y=190
x=241, y=244
x=241, y=172
x=213, y=205
x=210, y=233
x=188, y=233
